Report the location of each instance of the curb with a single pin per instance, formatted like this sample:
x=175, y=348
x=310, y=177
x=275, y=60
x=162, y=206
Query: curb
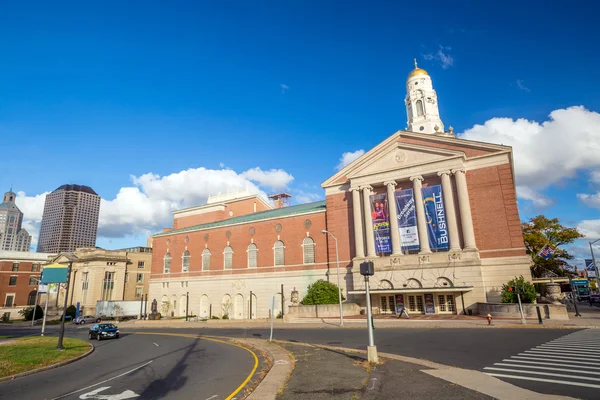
x=60, y=364
x=279, y=373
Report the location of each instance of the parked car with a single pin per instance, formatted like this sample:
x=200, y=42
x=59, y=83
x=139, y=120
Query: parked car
x=88, y=319
x=104, y=331
x=594, y=298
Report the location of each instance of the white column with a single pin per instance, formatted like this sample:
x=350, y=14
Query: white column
x=451, y=222
x=420, y=209
x=394, y=230
x=465, y=209
x=368, y=223
x=358, y=227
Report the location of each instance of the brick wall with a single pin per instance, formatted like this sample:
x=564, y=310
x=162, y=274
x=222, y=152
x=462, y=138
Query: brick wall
x=292, y=234
x=22, y=289
x=494, y=209
x=232, y=209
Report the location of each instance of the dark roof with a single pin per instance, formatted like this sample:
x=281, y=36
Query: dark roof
x=257, y=216
x=76, y=188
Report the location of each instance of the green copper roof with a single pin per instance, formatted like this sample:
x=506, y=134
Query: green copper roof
x=257, y=216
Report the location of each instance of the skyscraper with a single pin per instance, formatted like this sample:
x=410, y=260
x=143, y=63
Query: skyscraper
x=70, y=219
x=12, y=236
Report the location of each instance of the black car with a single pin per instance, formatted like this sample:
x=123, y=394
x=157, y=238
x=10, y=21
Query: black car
x=104, y=331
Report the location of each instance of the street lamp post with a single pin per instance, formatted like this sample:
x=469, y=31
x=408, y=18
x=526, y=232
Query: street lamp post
x=595, y=265
x=337, y=261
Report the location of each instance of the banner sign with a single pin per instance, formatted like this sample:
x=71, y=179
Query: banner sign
x=437, y=231
x=407, y=219
x=381, y=224
x=53, y=288
x=590, y=267
x=77, y=309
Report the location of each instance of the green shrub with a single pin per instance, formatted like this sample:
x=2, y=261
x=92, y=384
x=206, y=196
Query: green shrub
x=526, y=289
x=27, y=313
x=71, y=311
x=321, y=292
x=225, y=316
x=214, y=317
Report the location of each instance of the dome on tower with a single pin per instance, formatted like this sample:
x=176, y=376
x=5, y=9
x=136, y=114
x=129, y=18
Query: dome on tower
x=417, y=71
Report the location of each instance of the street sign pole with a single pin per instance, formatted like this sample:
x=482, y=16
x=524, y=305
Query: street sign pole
x=45, y=310
x=35, y=305
x=520, y=307
x=60, y=346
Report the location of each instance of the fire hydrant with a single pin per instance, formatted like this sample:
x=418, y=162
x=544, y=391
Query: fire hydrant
x=489, y=318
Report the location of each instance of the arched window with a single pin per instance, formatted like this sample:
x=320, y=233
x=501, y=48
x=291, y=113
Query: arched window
x=308, y=249
x=205, y=260
x=167, y=263
x=252, y=256
x=185, y=261
x=227, y=257
x=420, y=108
x=278, y=253
x=31, y=298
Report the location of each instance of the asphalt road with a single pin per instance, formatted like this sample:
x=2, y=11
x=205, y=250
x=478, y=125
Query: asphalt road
x=151, y=366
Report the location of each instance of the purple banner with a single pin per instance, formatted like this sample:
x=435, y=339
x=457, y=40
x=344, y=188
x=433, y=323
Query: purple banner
x=381, y=224
x=407, y=220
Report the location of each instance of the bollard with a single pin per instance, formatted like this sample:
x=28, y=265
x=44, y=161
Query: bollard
x=539, y=313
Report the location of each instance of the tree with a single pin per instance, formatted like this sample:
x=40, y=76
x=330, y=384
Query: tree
x=71, y=311
x=540, y=231
x=321, y=292
x=526, y=289
x=27, y=313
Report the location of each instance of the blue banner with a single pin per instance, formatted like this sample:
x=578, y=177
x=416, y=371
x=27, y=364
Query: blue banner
x=77, y=310
x=381, y=224
x=407, y=220
x=437, y=230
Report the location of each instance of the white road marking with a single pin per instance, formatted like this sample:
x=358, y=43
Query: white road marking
x=155, y=344
x=281, y=362
x=550, y=358
x=104, y=381
x=560, y=353
x=128, y=394
x=212, y=397
x=528, y=378
x=551, y=363
x=372, y=387
x=573, y=347
x=555, y=354
x=547, y=368
x=585, y=378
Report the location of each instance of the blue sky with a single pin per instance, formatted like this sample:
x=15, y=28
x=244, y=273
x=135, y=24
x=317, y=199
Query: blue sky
x=110, y=90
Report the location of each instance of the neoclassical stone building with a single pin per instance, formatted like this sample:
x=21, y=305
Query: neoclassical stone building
x=435, y=213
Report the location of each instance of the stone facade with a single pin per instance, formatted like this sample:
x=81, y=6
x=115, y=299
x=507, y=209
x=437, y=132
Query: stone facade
x=12, y=235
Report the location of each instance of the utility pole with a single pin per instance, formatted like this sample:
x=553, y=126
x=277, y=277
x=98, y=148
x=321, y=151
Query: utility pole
x=282, y=300
x=337, y=262
x=187, y=304
x=367, y=269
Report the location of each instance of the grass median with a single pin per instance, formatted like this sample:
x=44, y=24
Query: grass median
x=29, y=353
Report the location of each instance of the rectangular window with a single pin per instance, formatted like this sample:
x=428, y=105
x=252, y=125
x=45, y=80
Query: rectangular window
x=15, y=267
x=140, y=278
x=10, y=299
x=108, y=285
x=12, y=281
x=32, y=280
x=138, y=292
x=140, y=264
x=35, y=267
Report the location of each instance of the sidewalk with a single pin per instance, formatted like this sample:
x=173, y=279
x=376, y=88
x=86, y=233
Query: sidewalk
x=329, y=373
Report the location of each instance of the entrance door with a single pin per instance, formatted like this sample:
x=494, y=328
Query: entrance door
x=416, y=304
x=387, y=304
x=446, y=303
x=239, y=307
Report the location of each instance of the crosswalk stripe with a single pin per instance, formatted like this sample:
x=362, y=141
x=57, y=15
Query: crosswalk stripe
x=560, y=353
x=549, y=358
x=562, y=346
x=576, y=350
x=529, y=378
x=579, y=371
x=552, y=363
x=585, y=378
x=582, y=342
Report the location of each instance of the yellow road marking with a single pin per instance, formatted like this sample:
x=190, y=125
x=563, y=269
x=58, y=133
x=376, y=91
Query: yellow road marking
x=213, y=340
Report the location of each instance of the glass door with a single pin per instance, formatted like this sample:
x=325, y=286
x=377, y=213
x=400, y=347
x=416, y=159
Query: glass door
x=416, y=304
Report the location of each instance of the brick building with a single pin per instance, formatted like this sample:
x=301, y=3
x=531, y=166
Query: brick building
x=435, y=213
x=19, y=275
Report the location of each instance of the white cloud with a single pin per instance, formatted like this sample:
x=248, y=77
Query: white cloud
x=305, y=197
x=348, y=157
x=442, y=56
x=32, y=208
x=590, y=200
x=538, y=199
x=274, y=178
x=521, y=86
x=549, y=152
x=590, y=228
x=283, y=87
x=147, y=205
x=595, y=176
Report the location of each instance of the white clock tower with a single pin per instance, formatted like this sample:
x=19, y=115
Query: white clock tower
x=422, y=104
